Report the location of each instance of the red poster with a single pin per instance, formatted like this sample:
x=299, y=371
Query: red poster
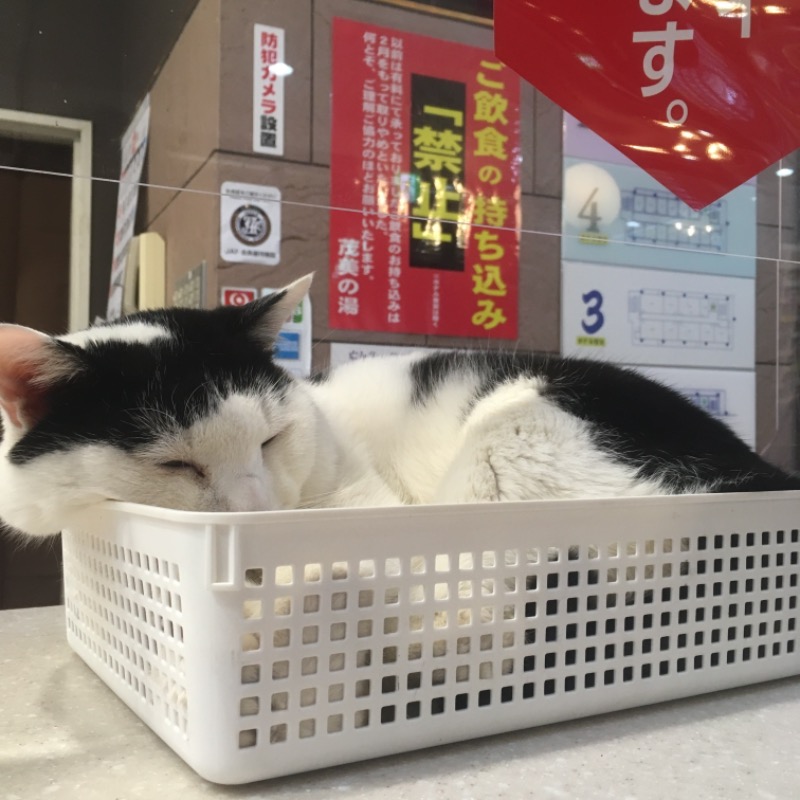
x=425, y=190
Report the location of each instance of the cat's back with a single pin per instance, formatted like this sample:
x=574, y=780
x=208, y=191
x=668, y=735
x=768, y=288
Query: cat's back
x=636, y=420
x=411, y=410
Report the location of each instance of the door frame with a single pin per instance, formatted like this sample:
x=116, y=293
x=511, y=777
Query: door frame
x=78, y=134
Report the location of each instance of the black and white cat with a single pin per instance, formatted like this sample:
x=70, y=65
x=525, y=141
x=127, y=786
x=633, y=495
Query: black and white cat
x=186, y=409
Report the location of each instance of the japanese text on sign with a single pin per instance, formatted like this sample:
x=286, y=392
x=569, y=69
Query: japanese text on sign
x=268, y=102
x=491, y=137
x=658, y=64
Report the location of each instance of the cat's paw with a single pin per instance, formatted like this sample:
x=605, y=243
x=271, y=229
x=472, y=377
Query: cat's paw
x=509, y=401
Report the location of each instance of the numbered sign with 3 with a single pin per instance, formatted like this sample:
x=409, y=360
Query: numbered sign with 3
x=642, y=316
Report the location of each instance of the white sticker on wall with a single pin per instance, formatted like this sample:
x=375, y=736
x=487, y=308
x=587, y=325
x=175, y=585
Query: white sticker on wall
x=133, y=151
x=250, y=224
x=656, y=317
x=344, y=352
x=728, y=395
x=293, y=345
x=269, y=69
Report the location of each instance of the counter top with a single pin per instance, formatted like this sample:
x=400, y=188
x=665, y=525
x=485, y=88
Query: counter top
x=64, y=734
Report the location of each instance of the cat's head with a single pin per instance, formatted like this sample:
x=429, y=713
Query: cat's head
x=177, y=408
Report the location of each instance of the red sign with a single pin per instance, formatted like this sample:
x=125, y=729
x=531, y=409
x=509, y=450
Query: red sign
x=237, y=297
x=702, y=95
x=425, y=160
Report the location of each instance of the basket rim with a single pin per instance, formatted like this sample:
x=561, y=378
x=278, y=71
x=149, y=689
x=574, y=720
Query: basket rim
x=248, y=518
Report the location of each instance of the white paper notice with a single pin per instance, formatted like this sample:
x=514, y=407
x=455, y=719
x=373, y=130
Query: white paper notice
x=343, y=352
x=268, y=103
x=134, y=149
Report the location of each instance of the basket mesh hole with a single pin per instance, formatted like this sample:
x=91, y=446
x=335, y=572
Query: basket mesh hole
x=277, y=734
x=308, y=666
x=338, y=631
x=335, y=723
x=392, y=567
x=366, y=568
x=280, y=670
x=361, y=718
x=391, y=624
x=252, y=609
x=336, y=662
x=308, y=697
x=335, y=692
x=248, y=738
x=418, y=565
x=311, y=604
x=248, y=706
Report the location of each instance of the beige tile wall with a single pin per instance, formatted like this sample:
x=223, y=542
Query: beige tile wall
x=201, y=137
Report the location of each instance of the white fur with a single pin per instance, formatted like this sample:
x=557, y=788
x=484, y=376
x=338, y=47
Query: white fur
x=140, y=332
x=512, y=445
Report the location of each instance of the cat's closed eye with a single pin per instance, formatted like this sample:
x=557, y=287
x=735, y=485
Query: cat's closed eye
x=269, y=440
x=183, y=466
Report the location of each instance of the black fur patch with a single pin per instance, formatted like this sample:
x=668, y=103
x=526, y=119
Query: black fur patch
x=211, y=355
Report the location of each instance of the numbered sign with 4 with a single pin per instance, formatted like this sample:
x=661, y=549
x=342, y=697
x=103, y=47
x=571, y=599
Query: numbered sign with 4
x=617, y=214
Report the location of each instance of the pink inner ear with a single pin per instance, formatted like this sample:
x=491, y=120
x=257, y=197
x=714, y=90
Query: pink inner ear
x=23, y=362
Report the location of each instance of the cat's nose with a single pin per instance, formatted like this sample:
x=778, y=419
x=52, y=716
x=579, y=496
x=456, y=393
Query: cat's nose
x=249, y=493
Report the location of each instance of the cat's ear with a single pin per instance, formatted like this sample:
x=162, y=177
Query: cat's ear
x=30, y=364
x=265, y=317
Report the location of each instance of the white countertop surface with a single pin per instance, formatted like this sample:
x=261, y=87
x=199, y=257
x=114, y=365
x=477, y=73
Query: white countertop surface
x=63, y=734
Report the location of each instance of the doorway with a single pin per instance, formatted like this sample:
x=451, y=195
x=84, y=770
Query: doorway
x=45, y=201
x=34, y=234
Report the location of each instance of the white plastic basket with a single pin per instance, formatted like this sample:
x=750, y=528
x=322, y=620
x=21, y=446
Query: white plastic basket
x=259, y=645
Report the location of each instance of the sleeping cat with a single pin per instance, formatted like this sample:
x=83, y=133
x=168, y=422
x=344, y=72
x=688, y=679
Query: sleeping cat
x=186, y=409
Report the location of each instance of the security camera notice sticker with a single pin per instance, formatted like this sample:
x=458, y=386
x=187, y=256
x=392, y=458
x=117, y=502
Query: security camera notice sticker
x=250, y=224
